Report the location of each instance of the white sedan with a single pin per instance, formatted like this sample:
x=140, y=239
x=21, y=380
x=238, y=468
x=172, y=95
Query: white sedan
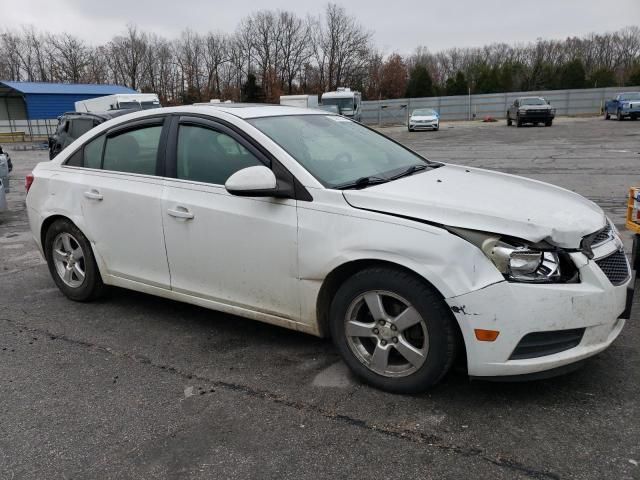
x=424, y=119
x=311, y=221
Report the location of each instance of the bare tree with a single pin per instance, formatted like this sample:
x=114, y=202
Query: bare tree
x=71, y=57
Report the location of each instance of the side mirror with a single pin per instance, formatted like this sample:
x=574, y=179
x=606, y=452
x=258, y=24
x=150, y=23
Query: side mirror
x=252, y=182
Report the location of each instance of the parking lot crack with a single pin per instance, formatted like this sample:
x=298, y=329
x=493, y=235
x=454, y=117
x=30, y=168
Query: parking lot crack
x=429, y=440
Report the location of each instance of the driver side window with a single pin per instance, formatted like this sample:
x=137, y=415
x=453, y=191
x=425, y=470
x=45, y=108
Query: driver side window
x=209, y=156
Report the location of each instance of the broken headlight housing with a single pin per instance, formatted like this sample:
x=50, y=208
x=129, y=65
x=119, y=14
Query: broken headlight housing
x=519, y=261
x=523, y=263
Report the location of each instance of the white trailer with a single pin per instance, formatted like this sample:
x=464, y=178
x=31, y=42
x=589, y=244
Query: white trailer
x=349, y=102
x=304, y=101
x=119, y=101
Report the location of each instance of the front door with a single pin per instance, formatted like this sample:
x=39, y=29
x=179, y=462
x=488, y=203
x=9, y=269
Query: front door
x=238, y=251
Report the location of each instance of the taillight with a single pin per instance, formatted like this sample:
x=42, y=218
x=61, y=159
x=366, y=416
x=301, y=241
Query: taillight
x=28, y=181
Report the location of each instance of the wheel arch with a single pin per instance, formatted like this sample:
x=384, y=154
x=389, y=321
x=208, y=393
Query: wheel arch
x=341, y=273
x=46, y=224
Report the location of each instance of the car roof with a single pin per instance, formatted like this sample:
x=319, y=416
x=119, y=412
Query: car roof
x=531, y=96
x=255, y=110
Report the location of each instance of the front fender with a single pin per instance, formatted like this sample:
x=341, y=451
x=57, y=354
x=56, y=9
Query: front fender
x=328, y=240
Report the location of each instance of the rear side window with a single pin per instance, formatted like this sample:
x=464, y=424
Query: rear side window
x=209, y=156
x=93, y=153
x=134, y=151
x=80, y=126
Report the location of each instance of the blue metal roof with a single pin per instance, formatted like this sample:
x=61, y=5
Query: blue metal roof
x=66, y=88
x=50, y=100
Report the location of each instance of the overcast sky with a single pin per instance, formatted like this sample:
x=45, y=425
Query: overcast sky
x=398, y=25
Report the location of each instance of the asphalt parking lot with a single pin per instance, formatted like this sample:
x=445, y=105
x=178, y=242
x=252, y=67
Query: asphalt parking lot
x=135, y=386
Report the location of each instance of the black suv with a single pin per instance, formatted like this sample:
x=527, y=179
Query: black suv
x=72, y=125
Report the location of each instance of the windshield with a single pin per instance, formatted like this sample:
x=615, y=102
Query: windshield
x=532, y=101
x=335, y=150
x=329, y=108
x=343, y=103
x=630, y=96
x=132, y=104
x=425, y=112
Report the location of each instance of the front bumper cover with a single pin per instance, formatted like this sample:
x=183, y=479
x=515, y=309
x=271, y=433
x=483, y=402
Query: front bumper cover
x=516, y=309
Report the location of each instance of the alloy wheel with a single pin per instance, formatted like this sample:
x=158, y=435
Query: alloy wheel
x=386, y=333
x=68, y=259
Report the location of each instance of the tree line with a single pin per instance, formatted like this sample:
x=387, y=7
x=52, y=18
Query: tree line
x=274, y=52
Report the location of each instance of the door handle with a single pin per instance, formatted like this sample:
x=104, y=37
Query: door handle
x=181, y=212
x=93, y=195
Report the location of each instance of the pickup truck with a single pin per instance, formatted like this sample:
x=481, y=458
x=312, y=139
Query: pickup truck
x=624, y=105
x=530, y=110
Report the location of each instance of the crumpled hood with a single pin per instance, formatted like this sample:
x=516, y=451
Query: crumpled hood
x=494, y=202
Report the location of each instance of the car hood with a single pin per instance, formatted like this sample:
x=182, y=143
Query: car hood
x=424, y=117
x=489, y=201
x=535, y=107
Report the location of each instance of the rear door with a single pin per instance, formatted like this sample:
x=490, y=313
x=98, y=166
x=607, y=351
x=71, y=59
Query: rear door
x=235, y=250
x=121, y=186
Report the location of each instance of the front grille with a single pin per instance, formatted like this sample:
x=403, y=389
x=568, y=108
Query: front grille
x=602, y=236
x=540, y=344
x=615, y=267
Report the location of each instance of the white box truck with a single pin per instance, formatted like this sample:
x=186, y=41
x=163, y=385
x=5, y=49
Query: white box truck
x=119, y=101
x=303, y=101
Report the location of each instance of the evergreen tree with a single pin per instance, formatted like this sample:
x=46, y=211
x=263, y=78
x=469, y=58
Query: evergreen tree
x=457, y=85
x=573, y=75
x=420, y=83
x=251, y=91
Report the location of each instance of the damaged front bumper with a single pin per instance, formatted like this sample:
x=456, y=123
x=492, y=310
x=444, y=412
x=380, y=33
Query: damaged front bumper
x=584, y=317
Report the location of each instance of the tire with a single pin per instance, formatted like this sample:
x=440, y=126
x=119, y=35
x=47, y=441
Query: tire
x=619, y=116
x=63, y=243
x=606, y=114
x=509, y=122
x=548, y=123
x=518, y=122
x=398, y=297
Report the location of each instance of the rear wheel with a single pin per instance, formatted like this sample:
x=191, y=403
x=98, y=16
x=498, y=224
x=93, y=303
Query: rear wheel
x=606, y=114
x=393, y=330
x=518, y=121
x=71, y=262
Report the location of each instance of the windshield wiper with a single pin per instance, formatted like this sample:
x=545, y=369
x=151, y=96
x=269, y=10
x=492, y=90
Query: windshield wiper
x=362, y=182
x=411, y=170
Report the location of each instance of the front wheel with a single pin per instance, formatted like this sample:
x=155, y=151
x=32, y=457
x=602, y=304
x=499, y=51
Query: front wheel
x=606, y=114
x=393, y=330
x=71, y=262
x=619, y=116
x=509, y=122
x=548, y=123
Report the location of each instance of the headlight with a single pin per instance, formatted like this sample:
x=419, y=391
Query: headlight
x=553, y=110
x=523, y=263
x=520, y=261
x=626, y=104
